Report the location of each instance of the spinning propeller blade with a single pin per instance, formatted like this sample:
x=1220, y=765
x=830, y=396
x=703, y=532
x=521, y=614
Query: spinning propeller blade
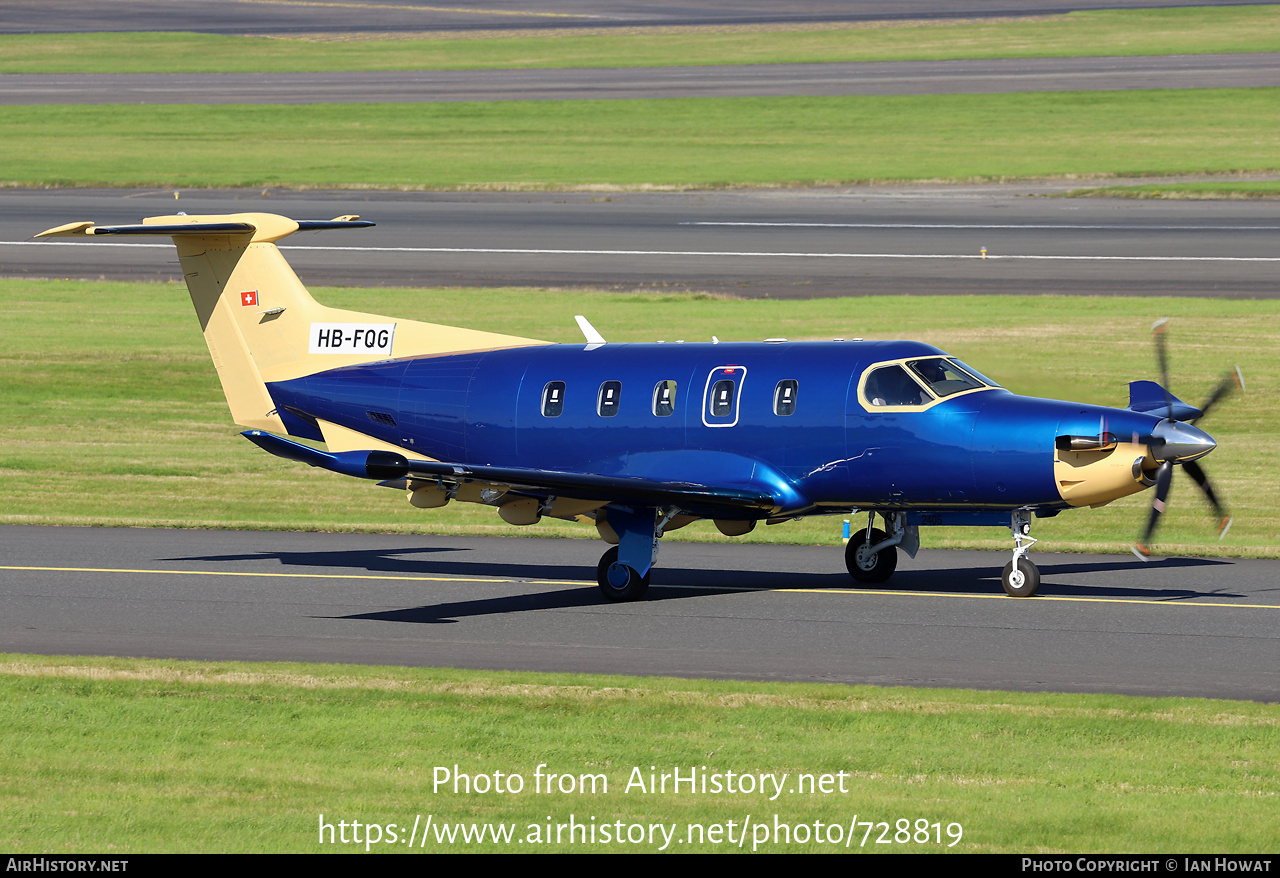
x=1233, y=380
x=1162, y=360
x=1177, y=442
x=1199, y=476
x=1164, y=478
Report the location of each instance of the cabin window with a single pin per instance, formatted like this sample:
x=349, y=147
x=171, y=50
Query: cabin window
x=942, y=376
x=784, y=397
x=664, y=399
x=553, y=399
x=891, y=385
x=722, y=396
x=607, y=401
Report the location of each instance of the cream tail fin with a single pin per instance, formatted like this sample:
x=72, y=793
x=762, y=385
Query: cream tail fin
x=260, y=322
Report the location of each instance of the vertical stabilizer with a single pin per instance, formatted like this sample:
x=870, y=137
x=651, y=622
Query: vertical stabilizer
x=260, y=322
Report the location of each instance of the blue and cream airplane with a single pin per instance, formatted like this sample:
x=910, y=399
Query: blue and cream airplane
x=641, y=439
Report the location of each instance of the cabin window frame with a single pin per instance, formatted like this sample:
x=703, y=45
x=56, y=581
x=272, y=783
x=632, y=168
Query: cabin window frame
x=548, y=403
x=794, y=386
x=737, y=375
x=670, y=403
x=615, y=404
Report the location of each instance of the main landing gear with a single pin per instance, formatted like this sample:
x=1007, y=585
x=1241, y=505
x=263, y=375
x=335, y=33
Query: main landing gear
x=867, y=562
x=623, y=571
x=872, y=555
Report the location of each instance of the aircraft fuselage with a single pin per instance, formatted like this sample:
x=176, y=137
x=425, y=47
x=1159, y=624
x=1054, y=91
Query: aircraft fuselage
x=823, y=446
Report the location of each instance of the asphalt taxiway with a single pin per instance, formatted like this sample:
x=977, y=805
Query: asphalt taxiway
x=913, y=240
x=974, y=76
x=1178, y=627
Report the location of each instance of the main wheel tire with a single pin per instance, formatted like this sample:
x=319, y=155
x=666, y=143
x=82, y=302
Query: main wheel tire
x=635, y=586
x=1022, y=582
x=865, y=566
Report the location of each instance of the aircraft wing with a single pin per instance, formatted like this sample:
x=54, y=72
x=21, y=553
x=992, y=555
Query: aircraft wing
x=706, y=500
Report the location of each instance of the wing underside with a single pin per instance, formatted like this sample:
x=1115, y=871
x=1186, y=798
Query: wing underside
x=704, y=500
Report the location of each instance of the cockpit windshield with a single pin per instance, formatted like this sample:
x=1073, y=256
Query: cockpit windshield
x=943, y=377
x=974, y=372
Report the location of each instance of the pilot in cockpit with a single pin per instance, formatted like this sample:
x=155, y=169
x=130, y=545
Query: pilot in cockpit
x=893, y=386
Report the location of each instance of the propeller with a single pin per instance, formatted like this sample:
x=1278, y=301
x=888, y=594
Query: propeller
x=1180, y=442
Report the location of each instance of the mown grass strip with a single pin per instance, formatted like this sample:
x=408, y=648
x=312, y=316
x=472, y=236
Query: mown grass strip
x=1121, y=32
x=694, y=142
x=113, y=414
x=1195, y=190
x=128, y=756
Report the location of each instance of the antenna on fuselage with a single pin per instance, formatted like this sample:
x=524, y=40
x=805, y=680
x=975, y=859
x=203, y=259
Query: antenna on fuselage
x=594, y=338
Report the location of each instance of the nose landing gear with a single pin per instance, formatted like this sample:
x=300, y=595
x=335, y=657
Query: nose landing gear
x=1021, y=578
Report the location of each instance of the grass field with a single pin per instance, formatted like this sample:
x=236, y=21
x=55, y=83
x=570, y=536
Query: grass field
x=679, y=143
x=1127, y=32
x=128, y=756
x=113, y=413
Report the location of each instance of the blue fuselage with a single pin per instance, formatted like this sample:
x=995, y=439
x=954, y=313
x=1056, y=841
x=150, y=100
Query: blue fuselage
x=985, y=449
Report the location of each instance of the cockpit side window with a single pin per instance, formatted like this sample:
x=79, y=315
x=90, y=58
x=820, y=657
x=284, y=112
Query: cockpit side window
x=891, y=385
x=942, y=376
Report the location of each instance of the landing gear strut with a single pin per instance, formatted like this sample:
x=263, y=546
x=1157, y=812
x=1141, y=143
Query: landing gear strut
x=1021, y=578
x=623, y=571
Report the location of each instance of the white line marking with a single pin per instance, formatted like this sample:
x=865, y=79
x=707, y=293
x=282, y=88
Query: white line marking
x=1124, y=226
x=700, y=253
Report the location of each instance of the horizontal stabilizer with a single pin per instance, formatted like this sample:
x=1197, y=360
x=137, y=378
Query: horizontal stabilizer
x=260, y=226
x=379, y=465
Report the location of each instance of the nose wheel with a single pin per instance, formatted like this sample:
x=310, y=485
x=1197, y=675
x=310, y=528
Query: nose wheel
x=1020, y=579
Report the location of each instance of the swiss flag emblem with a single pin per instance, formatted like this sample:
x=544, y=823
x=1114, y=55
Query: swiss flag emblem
x=249, y=297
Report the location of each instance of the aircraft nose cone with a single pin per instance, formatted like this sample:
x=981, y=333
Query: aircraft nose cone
x=1178, y=441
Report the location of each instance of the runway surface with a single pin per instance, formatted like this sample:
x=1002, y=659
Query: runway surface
x=411, y=16
x=872, y=78
x=1187, y=627
x=783, y=243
